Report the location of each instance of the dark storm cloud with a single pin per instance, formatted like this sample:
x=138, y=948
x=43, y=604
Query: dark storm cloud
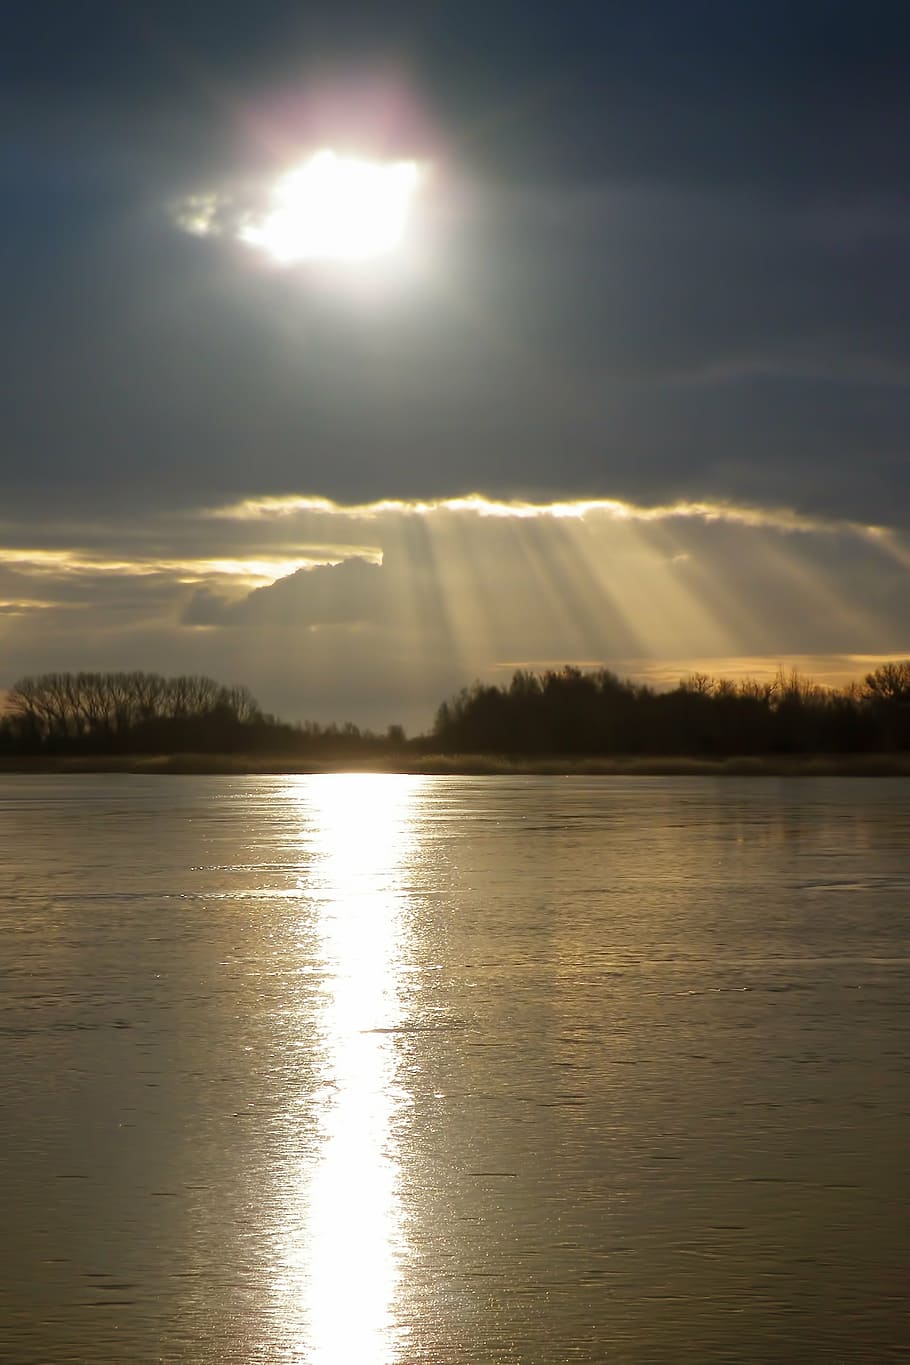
x=672, y=259
x=814, y=89
x=670, y=347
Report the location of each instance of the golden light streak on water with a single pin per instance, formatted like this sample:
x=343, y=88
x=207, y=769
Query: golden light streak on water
x=338, y=1267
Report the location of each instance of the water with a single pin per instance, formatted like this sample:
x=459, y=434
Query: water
x=398, y=1070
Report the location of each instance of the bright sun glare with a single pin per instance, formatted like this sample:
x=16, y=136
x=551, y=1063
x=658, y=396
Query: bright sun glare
x=336, y=207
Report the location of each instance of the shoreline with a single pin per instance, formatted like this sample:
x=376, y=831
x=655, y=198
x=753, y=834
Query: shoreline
x=464, y=765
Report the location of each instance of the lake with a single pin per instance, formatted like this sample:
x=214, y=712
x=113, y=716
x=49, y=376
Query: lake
x=390, y=1070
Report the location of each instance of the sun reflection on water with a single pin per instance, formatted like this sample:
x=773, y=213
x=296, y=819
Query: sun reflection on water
x=343, y=1241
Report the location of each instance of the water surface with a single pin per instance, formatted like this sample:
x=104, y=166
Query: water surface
x=385, y=1070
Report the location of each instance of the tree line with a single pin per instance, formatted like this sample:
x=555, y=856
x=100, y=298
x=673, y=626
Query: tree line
x=564, y=711
x=101, y=712
x=136, y=712
x=567, y=711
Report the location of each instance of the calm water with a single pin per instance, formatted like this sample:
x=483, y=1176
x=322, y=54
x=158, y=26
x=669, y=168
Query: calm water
x=387, y=1070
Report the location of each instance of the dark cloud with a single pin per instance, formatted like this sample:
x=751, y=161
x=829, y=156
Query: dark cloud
x=613, y=343
x=350, y=593
x=773, y=91
x=667, y=256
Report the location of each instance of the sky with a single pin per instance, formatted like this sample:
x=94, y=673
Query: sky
x=633, y=391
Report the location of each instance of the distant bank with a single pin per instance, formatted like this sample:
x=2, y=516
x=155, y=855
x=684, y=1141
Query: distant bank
x=467, y=765
x=561, y=721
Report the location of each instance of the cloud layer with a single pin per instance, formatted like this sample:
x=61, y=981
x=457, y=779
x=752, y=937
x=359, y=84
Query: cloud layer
x=662, y=260
x=661, y=293
x=381, y=609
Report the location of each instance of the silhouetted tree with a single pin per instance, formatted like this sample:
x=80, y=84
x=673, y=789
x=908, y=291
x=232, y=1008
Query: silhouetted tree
x=568, y=711
x=102, y=711
x=887, y=692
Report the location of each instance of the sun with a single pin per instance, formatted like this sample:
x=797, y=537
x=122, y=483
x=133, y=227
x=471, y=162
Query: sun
x=336, y=208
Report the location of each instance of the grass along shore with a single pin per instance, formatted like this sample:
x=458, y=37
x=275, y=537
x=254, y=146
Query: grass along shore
x=467, y=765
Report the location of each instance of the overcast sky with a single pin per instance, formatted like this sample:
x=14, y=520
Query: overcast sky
x=660, y=265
